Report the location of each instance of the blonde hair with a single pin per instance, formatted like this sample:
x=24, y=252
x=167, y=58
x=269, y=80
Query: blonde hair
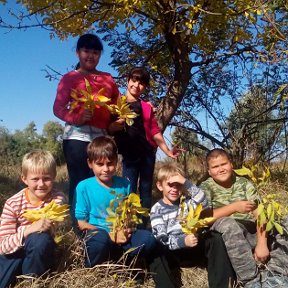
x=39, y=161
x=167, y=170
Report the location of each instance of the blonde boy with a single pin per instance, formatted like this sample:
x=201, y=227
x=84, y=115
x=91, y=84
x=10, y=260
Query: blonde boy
x=25, y=247
x=184, y=249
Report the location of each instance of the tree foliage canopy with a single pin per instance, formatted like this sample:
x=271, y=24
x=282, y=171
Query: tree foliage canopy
x=199, y=52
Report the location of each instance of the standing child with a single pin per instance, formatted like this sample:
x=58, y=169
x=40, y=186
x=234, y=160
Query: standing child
x=138, y=143
x=82, y=124
x=233, y=200
x=27, y=248
x=93, y=197
x=185, y=249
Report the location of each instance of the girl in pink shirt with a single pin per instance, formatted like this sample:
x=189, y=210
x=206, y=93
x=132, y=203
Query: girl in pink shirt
x=83, y=125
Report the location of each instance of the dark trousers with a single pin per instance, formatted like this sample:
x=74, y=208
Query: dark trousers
x=100, y=248
x=141, y=169
x=210, y=252
x=35, y=258
x=76, y=160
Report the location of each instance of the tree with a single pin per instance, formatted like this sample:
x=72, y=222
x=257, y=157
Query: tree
x=52, y=140
x=255, y=123
x=183, y=43
x=192, y=159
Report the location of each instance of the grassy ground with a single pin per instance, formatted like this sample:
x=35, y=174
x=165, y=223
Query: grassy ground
x=69, y=268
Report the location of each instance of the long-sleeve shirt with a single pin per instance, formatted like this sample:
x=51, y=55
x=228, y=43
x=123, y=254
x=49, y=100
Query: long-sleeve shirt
x=101, y=83
x=165, y=222
x=13, y=223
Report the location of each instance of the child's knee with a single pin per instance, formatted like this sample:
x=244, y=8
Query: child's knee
x=39, y=242
x=98, y=239
x=225, y=225
x=147, y=240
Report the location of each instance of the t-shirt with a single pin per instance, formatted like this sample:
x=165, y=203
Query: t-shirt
x=131, y=141
x=241, y=189
x=92, y=199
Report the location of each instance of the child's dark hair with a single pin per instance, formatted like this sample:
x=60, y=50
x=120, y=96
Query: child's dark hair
x=102, y=147
x=215, y=153
x=89, y=41
x=139, y=74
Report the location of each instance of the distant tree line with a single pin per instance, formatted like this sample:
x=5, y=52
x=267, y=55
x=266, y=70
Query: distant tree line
x=14, y=145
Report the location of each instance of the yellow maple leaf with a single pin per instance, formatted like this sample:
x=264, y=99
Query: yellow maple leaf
x=122, y=110
x=87, y=98
x=191, y=222
x=52, y=211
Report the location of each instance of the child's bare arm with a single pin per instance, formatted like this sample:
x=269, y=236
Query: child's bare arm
x=159, y=139
x=84, y=225
x=235, y=207
x=261, y=252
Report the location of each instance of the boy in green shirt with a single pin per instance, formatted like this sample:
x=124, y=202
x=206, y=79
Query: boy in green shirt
x=233, y=200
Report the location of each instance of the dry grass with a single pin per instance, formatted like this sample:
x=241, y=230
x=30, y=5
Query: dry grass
x=69, y=268
x=69, y=271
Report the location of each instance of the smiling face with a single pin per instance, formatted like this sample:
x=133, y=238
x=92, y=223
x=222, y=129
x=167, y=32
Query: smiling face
x=171, y=191
x=135, y=88
x=89, y=59
x=103, y=169
x=220, y=169
x=39, y=185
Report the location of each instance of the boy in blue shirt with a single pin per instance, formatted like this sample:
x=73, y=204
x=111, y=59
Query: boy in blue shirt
x=92, y=198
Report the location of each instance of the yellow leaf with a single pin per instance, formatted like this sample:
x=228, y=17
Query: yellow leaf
x=244, y=171
x=51, y=211
x=122, y=110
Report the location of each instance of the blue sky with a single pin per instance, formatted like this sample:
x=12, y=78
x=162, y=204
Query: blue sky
x=26, y=95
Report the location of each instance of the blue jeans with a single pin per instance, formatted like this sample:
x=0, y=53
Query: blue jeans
x=100, y=248
x=76, y=160
x=142, y=169
x=35, y=258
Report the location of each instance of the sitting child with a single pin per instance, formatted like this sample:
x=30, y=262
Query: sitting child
x=246, y=243
x=185, y=249
x=27, y=248
x=91, y=201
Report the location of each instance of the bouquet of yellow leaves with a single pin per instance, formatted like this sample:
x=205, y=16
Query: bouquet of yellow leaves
x=269, y=211
x=191, y=222
x=122, y=110
x=254, y=173
x=126, y=214
x=87, y=98
x=52, y=211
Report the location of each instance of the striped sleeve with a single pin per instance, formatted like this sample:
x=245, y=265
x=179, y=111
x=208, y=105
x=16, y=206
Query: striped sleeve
x=13, y=224
x=11, y=236
x=170, y=236
x=196, y=194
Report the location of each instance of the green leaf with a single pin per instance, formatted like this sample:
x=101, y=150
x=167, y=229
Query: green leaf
x=278, y=227
x=269, y=226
